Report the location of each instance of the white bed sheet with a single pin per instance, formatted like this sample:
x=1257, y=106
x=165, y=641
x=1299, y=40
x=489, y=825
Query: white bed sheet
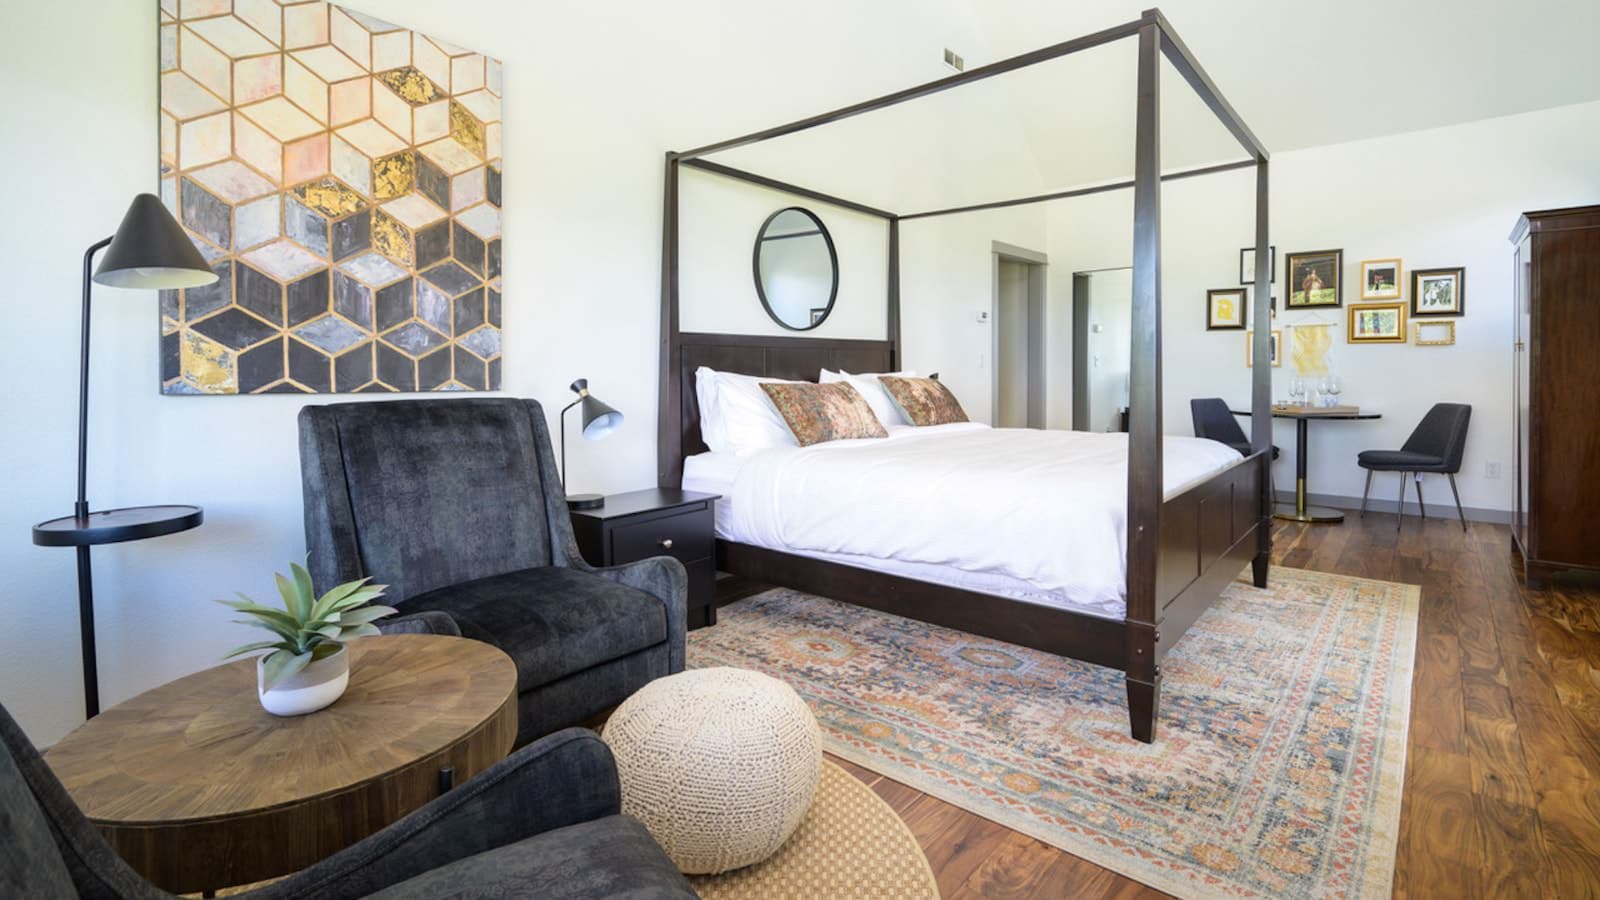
x=1027, y=514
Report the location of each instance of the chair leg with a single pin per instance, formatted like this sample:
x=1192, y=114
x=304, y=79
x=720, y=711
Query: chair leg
x=1416, y=481
x=1364, y=492
x=1462, y=515
x=1400, y=511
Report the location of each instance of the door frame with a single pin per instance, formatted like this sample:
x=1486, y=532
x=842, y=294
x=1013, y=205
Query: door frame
x=1038, y=284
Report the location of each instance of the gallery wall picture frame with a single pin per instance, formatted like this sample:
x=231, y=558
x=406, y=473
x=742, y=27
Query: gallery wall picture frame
x=1225, y=309
x=1250, y=348
x=1376, y=323
x=1247, y=264
x=1380, y=279
x=1312, y=279
x=1439, y=292
x=1435, y=334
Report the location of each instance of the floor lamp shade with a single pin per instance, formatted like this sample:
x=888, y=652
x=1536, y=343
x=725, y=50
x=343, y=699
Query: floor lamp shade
x=151, y=250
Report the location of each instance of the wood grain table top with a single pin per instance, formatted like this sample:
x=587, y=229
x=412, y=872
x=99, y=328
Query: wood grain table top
x=202, y=748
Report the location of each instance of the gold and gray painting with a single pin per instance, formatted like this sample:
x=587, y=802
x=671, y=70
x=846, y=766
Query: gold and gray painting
x=342, y=176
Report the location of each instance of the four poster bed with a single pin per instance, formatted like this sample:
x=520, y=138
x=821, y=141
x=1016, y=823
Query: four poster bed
x=1182, y=548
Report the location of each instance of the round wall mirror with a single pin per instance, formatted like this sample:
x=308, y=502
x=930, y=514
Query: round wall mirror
x=797, y=270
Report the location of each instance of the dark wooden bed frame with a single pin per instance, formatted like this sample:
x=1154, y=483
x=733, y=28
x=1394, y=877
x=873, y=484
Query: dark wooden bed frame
x=1181, y=552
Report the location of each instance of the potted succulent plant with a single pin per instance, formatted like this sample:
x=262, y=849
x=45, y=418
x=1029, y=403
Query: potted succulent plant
x=308, y=667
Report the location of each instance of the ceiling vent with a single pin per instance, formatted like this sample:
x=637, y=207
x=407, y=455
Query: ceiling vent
x=954, y=60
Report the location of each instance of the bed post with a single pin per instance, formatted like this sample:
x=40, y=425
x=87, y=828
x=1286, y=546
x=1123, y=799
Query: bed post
x=669, y=405
x=1145, y=492
x=1261, y=380
x=893, y=300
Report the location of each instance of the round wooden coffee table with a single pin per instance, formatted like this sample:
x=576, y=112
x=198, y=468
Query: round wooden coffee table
x=200, y=788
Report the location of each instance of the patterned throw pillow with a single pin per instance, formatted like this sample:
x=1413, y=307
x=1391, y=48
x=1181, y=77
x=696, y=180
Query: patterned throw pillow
x=824, y=412
x=924, y=401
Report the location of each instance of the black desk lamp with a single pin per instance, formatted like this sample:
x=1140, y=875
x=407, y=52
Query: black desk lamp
x=150, y=250
x=599, y=420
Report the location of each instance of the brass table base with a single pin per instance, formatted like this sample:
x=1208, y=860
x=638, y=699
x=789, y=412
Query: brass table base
x=1311, y=514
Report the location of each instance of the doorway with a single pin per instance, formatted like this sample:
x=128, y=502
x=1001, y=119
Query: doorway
x=1018, y=328
x=1102, y=349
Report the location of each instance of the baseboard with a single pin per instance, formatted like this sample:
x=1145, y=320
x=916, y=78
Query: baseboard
x=1436, y=508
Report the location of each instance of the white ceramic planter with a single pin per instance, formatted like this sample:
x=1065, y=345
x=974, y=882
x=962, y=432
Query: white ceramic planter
x=308, y=690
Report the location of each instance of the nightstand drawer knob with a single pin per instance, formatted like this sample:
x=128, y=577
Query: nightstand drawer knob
x=666, y=543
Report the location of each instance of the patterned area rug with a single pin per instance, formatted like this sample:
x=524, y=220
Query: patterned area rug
x=1280, y=750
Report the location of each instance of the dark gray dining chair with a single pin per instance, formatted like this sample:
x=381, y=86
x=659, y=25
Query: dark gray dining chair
x=1435, y=446
x=545, y=821
x=1214, y=421
x=457, y=506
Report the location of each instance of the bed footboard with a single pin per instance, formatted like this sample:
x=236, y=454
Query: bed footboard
x=1208, y=534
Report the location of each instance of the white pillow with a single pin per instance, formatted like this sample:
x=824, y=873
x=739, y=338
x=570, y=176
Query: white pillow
x=739, y=417
x=876, y=395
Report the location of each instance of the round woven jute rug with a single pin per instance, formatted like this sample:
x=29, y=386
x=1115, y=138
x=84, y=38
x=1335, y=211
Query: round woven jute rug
x=849, y=845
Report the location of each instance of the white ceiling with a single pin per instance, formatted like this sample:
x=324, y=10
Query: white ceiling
x=1302, y=73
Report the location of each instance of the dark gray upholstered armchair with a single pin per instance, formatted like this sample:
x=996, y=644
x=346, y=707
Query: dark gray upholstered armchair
x=1436, y=445
x=457, y=506
x=543, y=822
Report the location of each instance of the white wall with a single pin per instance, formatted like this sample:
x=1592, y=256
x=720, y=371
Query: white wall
x=593, y=100
x=1445, y=197
x=946, y=280
x=720, y=219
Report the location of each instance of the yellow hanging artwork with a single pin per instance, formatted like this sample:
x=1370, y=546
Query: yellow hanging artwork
x=1311, y=344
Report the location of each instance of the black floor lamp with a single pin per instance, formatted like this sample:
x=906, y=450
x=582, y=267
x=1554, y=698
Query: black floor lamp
x=150, y=250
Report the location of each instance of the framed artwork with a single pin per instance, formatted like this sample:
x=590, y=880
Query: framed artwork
x=1247, y=264
x=1225, y=309
x=1276, y=340
x=1380, y=279
x=1435, y=334
x=1312, y=279
x=1439, y=292
x=342, y=176
x=1377, y=323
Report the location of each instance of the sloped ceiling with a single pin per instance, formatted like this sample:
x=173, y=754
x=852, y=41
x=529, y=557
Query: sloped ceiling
x=1301, y=73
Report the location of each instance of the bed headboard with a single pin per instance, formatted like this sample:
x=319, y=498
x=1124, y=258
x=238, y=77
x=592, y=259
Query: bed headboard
x=772, y=356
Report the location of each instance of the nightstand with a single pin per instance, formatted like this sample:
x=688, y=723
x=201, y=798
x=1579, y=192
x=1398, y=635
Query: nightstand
x=657, y=522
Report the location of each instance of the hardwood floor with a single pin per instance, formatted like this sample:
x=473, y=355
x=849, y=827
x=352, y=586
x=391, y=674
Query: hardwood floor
x=1502, y=793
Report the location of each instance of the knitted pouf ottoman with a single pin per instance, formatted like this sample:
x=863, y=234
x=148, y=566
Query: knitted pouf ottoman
x=719, y=764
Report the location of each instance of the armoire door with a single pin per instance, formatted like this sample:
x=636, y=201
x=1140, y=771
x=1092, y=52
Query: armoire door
x=1522, y=322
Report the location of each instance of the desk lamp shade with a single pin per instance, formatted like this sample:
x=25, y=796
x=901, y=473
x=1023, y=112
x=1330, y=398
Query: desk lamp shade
x=151, y=250
x=598, y=420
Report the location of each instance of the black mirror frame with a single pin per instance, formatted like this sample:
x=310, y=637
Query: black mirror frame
x=833, y=258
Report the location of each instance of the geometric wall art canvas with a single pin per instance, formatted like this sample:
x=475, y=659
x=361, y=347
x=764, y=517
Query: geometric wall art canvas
x=342, y=176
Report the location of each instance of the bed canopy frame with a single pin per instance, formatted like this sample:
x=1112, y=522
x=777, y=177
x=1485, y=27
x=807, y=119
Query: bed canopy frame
x=1181, y=552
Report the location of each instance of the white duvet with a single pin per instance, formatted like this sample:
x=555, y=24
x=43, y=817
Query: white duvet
x=1047, y=508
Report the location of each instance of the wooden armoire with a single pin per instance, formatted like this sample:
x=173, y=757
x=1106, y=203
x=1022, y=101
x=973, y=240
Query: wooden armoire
x=1556, y=384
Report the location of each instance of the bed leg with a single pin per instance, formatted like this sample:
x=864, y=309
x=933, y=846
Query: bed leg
x=1144, y=704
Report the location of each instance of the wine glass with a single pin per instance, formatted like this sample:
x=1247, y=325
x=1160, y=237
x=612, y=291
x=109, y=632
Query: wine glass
x=1297, y=391
x=1333, y=386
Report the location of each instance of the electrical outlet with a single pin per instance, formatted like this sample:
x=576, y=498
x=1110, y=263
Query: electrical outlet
x=1491, y=470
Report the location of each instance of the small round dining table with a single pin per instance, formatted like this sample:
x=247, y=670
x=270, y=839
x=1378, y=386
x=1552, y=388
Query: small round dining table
x=1299, y=510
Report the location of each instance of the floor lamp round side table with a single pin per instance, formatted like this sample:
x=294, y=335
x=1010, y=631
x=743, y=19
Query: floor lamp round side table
x=111, y=526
